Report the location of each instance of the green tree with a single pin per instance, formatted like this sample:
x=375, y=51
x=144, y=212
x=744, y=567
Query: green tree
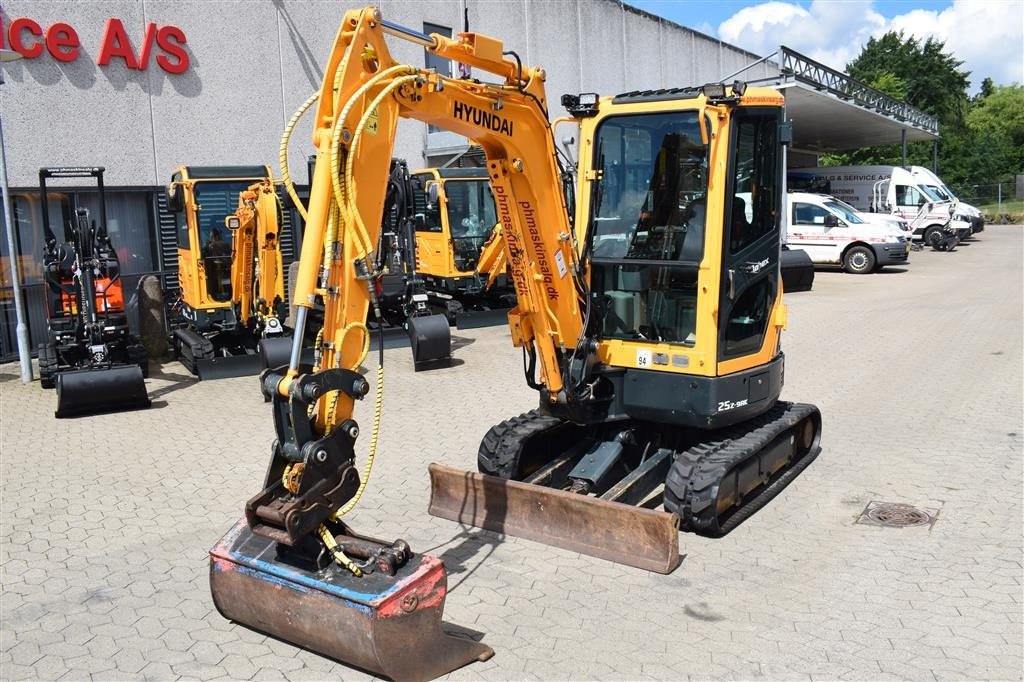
x=890, y=84
x=932, y=79
x=925, y=76
x=987, y=88
x=1000, y=115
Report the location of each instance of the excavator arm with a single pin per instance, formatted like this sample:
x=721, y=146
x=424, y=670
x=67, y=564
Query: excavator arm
x=493, y=261
x=271, y=566
x=257, y=282
x=365, y=94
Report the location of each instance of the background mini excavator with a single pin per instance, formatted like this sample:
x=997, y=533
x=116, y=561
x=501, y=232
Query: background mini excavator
x=90, y=355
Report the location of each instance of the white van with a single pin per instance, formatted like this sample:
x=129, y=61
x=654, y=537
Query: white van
x=887, y=189
x=831, y=233
x=933, y=182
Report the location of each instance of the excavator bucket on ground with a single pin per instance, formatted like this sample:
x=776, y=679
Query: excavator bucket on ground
x=91, y=391
x=431, y=341
x=387, y=624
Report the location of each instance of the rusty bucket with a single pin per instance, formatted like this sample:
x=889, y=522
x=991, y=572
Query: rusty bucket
x=388, y=625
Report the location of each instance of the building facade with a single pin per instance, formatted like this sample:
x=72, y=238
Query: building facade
x=141, y=87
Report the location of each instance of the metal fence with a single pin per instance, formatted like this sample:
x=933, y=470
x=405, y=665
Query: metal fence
x=992, y=198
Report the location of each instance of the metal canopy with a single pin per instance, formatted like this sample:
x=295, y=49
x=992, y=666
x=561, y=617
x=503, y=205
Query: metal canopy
x=833, y=112
x=822, y=122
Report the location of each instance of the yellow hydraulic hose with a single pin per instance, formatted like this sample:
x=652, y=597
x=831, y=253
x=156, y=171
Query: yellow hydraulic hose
x=343, y=210
x=339, y=195
x=283, y=152
x=374, y=435
x=339, y=556
x=356, y=220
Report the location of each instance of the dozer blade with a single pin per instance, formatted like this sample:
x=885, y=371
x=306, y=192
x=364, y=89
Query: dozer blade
x=228, y=367
x=475, y=319
x=389, y=625
x=634, y=536
x=394, y=337
x=91, y=391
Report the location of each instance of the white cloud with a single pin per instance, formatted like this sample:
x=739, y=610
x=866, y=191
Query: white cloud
x=988, y=35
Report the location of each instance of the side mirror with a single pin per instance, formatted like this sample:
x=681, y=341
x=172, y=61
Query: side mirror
x=175, y=199
x=420, y=221
x=831, y=221
x=433, y=193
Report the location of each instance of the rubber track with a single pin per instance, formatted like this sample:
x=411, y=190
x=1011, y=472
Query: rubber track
x=502, y=445
x=691, y=486
x=49, y=365
x=188, y=353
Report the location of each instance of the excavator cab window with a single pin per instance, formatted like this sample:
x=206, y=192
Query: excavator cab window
x=215, y=200
x=426, y=214
x=471, y=218
x=647, y=225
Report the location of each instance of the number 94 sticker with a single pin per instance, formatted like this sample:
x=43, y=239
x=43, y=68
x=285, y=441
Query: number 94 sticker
x=643, y=357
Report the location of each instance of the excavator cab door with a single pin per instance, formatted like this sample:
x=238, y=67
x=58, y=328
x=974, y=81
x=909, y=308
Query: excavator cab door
x=752, y=219
x=431, y=250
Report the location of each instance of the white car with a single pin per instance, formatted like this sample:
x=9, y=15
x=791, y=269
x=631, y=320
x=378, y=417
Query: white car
x=831, y=232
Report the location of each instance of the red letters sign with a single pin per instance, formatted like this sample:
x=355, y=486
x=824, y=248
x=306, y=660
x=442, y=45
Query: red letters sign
x=27, y=38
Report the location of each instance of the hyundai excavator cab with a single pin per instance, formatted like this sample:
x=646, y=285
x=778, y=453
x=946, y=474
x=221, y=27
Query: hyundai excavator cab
x=230, y=310
x=650, y=329
x=90, y=355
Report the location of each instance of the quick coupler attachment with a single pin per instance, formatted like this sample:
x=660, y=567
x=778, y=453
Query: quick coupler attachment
x=390, y=625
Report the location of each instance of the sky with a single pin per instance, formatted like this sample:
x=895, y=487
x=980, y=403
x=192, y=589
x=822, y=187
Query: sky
x=987, y=35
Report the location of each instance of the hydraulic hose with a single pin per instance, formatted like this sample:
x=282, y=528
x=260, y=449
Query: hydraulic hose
x=283, y=152
x=356, y=219
x=340, y=192
x=332, y=546
x=374, y=433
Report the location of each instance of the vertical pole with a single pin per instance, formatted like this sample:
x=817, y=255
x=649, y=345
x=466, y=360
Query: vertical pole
x=19, y=309
x=1000, y=197
x=935, y=157
x=903, y=142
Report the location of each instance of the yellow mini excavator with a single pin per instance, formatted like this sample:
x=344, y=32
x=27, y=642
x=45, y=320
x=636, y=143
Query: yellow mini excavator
x=230, y=310
x=455, y=220
x=650, y=328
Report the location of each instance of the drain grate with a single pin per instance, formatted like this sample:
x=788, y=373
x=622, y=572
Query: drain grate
x=897, y=515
